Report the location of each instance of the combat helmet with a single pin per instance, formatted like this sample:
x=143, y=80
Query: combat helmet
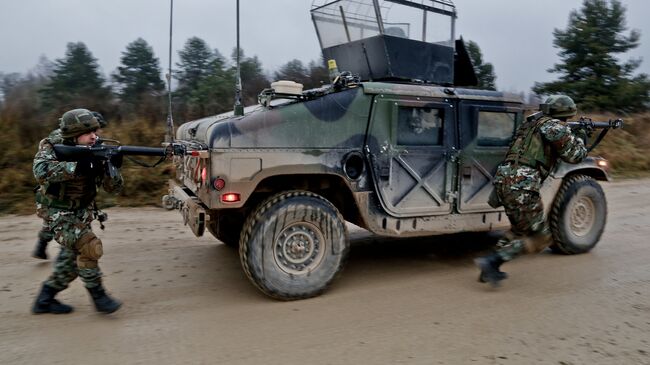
x=76, y=122
x=559, y=106
x=100, y=118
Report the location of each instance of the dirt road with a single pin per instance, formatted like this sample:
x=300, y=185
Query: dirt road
x=414, y=301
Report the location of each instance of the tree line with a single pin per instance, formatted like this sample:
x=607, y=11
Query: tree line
x=204, y=78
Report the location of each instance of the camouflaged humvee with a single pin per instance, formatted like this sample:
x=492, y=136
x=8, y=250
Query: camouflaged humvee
x=401, y=157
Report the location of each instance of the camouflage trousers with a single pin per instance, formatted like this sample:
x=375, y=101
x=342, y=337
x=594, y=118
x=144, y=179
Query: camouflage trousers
x=80, y=248
x=529, y=231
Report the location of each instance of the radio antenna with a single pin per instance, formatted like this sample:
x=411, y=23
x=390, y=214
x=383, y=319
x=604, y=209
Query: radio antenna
x=170, y=119
x=238, y=108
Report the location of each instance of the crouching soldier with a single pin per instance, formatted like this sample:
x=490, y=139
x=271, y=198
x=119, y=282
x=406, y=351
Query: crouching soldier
x=67, y=193
x=537, y=146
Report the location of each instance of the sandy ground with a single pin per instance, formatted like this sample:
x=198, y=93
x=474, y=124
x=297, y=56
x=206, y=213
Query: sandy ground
x=415, y=301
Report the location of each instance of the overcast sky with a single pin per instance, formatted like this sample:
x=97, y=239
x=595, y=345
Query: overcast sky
x=514, y=35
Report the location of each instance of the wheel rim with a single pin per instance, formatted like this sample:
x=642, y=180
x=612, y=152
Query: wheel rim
x=583, y=216
x=299, y=248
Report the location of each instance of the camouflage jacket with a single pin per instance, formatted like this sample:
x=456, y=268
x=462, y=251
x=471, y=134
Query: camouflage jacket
x=60, y=186
x=558, y=143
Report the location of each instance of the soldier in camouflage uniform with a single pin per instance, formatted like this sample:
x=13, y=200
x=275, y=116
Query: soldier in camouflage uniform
x=45, y=235
x=67, y=195
x=536, y=147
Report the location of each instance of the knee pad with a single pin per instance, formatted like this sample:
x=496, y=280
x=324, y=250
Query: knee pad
x=89, y=249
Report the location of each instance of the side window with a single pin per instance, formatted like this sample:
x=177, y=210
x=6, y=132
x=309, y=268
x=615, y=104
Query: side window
x=418, y=126
x=495, y=128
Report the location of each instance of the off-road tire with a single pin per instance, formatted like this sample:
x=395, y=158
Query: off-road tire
x=578, y=215
x=293, y=245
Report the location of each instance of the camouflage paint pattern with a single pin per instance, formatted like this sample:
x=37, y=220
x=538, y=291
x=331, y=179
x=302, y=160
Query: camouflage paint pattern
x=71, y=227
x=299, y=140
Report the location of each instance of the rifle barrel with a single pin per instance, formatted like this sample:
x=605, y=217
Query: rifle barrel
x=141, y=151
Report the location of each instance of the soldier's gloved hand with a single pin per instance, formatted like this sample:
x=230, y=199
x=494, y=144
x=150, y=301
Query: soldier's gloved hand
x=582, y=134
x=85, y=166
x=117, y=160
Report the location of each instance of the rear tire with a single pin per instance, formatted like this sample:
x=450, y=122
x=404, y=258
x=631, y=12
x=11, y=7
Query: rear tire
x=578, y=215
x=293, y=245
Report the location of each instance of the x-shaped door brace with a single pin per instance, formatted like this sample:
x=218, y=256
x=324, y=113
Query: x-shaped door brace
x=485, y=173
x=421, y=182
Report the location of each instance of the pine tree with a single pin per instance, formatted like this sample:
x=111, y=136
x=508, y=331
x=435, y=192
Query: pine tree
x=318, y=74
x=76, y=82
x=253, y=80
x=590, y=70
x=139, y=74
x=293, y=70
x=196, y=62
x=214, y=91
x=484, y=71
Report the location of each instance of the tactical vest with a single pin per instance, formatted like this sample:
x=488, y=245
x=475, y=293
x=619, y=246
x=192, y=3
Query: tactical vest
x=528, y=148
x=77, y=193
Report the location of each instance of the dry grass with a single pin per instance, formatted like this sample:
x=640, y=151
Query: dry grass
x=627, y=149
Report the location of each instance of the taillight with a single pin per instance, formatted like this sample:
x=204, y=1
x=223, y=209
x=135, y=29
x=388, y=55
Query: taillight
x=219, y=184
x=230, y=197
x=204, y=175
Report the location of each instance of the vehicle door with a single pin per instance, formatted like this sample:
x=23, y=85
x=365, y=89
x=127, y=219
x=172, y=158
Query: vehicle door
x=410, y=144
x=485, y=130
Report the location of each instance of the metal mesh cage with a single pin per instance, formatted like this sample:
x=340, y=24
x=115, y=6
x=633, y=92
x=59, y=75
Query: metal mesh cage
x=343, y=21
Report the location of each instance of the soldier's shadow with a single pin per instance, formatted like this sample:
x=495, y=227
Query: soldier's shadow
x=446, y=248
x=381, y=258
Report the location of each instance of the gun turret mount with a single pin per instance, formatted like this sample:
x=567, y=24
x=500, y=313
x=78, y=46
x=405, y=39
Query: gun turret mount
x=404, y=40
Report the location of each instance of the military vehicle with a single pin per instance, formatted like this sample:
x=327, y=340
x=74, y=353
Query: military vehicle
x=398, y=144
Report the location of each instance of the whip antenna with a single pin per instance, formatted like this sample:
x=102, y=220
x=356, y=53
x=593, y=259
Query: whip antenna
x=170, y=119
x=238, y=108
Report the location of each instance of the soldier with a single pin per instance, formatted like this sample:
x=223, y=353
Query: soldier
x=67, y=195
x=45, y=235
x=533, y=153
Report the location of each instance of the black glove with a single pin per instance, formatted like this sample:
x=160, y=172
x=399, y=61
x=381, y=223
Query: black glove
x=117, y=160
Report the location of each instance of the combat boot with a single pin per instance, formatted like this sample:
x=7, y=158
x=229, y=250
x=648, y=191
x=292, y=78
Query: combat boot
x=40, y=249
x=103, y=302
x=490, y=272
x=45, y=302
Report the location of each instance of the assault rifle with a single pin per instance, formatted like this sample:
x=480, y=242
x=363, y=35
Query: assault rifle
x=111, y=155
x=589, y=126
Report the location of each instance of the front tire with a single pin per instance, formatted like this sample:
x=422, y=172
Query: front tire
x=293, y=245
x=578, y=215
